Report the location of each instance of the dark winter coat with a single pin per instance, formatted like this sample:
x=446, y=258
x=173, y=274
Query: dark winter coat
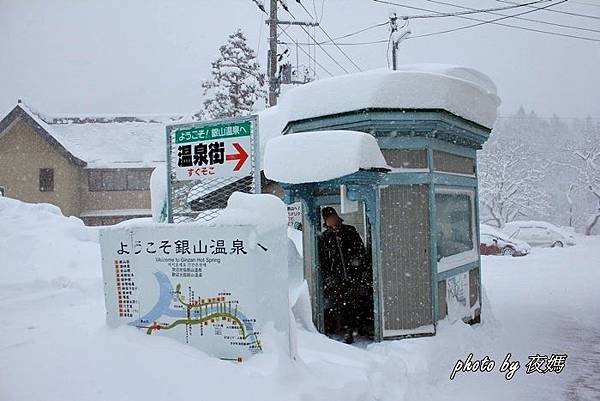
x=343, y=263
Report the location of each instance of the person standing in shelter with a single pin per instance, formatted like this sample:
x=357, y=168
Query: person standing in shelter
x=346, y=277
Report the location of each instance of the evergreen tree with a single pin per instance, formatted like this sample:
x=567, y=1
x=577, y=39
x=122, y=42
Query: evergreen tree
x=237, y=82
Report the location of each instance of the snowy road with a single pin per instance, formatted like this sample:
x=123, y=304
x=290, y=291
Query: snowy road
x=54, y=344
x=546, y=303
x=585, y=383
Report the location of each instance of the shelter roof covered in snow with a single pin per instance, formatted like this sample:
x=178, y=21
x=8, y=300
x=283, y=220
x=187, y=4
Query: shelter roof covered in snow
x=320, y=156
x=108, y=141
x=462, y=91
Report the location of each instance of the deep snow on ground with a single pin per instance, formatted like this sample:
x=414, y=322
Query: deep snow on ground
x=54, y=344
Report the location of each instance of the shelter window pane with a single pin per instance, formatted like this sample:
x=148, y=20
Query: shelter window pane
x=451, y=163
x=454, y=223
x=406, y=158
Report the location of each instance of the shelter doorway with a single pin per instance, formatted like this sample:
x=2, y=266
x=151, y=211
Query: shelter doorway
x=346, y=274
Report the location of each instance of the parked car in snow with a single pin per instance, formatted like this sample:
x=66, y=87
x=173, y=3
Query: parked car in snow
x=539, y=233
x=496, y=242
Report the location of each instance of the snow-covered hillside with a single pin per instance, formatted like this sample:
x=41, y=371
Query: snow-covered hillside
x=55, y=345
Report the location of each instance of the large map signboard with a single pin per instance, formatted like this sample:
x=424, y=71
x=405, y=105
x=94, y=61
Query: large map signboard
x=212, y=287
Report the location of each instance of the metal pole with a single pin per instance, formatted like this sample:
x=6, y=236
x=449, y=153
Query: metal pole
x=297, y=62
x=273, y=53
x=394, y=27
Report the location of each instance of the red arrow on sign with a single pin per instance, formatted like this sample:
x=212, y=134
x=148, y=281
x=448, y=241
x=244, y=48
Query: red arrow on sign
x=241, y=156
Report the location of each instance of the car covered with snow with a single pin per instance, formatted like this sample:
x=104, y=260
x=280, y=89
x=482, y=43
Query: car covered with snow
x=493, y=241
x=539, y=233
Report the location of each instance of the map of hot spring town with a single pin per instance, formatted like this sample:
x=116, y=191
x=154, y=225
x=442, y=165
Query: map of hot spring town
x=197, y=285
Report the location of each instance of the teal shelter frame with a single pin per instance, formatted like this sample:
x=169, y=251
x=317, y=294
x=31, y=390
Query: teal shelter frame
x=431, y=131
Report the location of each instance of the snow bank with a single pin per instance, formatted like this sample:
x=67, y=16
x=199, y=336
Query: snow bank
x=320, y=156
x=55, y=344
x=158, y=194
x=263, y=210
x=460, y=90
x=39, y=247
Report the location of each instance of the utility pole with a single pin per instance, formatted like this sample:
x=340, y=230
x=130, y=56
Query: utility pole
x=396, y=39
x=273, y=23
x=272, y=53
x=394, y=28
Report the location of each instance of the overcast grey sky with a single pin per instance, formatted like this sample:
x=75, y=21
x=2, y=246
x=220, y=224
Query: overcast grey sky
x=150, y=56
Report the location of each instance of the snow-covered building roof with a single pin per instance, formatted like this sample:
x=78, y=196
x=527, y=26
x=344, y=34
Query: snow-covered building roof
x=106, y=141
x=109, y=145
x=462, y=91
x=320, y=156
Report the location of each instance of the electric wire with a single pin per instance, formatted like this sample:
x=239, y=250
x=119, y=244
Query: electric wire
x=493, y=21
x=537, y=21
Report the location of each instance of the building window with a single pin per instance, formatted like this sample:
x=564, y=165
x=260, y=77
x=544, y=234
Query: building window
x=119, y=180
x=46, y=179
x=138, y=180
x=455, y=227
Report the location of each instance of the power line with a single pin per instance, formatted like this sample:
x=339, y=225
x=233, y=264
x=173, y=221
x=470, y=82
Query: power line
x=493, y=21
x=328, y=42
x=340, y=49
x=262, y=9
x=562, y=12
x=439, y=14
x=317, y=43
x=330, y=38
x=324, y=50
x=309, y=56
x=585, y=3
x=260, y=5
x=260, y=32
x=347, y=35
x=339, y=44
x=306, y=10
x=519, y=18
x=322, y=10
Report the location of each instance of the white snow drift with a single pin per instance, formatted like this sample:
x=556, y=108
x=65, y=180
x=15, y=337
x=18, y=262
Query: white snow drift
x=55, y=344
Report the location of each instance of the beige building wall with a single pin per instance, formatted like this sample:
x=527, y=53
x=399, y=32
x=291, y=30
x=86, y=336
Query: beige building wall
x=22, y=154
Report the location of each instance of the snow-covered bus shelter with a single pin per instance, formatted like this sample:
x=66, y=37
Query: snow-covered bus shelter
x=394, y=152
